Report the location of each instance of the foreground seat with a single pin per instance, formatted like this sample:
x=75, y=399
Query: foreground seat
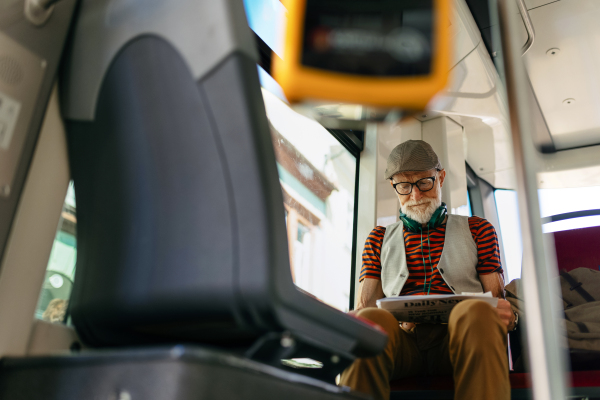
x=165, y=373
x=181, y=228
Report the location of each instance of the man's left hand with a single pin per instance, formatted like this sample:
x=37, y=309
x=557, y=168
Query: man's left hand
x=506, y=314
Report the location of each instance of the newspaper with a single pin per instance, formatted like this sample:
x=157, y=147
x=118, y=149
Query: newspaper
x=434, y=309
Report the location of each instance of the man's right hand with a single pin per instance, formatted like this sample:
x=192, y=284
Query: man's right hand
x=506, y=314
x=407, y=326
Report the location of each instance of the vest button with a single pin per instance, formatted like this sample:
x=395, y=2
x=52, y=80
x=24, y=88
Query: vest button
x=441, y=271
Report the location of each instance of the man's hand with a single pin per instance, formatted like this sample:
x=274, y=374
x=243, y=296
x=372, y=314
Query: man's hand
x=407, y=326
x=506, y=314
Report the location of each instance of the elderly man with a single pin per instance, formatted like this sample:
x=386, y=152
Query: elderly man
x=431, y=252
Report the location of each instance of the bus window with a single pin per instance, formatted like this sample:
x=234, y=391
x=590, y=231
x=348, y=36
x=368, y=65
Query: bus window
x=554, y=202
x=317, y=176
x=469, y=209
x=60, y=272
x=510, y=230
x=465, y=209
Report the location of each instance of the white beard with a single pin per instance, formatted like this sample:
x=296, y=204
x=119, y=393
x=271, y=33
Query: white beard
x=422, y=214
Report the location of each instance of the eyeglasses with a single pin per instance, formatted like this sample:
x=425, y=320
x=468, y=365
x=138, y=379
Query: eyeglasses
x=405, y=188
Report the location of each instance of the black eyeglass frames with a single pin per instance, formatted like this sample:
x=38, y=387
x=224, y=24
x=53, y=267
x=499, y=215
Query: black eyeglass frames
x=405, y=188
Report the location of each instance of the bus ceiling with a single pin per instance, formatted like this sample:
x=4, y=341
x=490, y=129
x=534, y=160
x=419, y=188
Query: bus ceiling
x=474, y=97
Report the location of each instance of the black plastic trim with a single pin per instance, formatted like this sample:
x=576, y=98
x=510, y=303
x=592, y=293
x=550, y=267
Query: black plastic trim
x=471, y=176
x=352, y=140
x=265, y=54
x=570, y=215
x=354, y=237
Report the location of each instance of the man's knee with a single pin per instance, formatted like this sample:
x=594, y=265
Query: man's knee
x=476, y=321
x=472, y=312
x=383, y=318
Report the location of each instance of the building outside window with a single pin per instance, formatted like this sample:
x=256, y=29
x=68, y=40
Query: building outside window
x=317, y=176
x=60, y=272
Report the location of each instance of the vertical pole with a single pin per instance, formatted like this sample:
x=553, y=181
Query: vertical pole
x=545, y=339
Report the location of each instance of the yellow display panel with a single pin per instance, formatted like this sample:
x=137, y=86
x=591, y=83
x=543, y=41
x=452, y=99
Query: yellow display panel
x=366, y=51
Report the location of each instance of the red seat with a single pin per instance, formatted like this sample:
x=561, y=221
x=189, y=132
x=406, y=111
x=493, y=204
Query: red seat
x=578, y=248
x=584, y=383
x=517, y=381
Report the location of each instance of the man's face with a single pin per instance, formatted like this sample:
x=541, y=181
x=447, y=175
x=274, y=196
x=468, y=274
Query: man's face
x=419, y=205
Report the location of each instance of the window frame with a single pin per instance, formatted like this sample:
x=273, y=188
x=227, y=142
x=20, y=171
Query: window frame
x=483, y=204
x=353, y=141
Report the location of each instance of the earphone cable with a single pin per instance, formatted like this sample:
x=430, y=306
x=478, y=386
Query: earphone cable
x=424, y=266
x=430, y=262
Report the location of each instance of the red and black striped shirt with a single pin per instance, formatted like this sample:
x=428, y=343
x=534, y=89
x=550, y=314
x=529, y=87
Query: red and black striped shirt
x=417, y=251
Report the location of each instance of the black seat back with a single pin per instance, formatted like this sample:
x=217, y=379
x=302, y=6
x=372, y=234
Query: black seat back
x=181, y=230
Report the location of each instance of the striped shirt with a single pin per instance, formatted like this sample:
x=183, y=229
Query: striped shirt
x=421, y=270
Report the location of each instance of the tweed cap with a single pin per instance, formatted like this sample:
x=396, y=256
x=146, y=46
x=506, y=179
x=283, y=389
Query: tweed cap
x=412, y=155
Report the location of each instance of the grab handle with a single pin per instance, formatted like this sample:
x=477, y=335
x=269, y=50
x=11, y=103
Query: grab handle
x=528, y=26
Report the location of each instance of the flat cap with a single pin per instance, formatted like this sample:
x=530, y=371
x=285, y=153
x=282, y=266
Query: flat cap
x=412, y=155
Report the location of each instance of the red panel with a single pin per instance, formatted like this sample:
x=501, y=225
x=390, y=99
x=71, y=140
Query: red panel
x=517, y=381
x=585, y=378
x=520, y=381
x=578, y=248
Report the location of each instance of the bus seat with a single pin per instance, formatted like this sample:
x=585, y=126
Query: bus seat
x=181, y=229
x=577, y=248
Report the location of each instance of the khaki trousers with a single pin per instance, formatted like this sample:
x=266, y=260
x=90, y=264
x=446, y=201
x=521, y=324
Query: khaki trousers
x=471, y=347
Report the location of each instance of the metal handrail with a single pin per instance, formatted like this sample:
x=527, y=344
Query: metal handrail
x=528, y=26
x=39, y=11
x=546, y=336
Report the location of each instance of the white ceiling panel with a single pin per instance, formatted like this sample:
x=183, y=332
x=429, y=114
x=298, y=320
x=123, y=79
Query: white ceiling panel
x=564, y=68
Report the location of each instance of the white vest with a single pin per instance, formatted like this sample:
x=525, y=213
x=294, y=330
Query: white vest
x=457, y=264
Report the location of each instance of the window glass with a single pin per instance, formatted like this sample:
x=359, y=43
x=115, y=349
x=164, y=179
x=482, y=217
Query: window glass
x=465, y=209
x=552, y=202
x=566, y=200
x=267, y=19
x=510, y=230
x=317, y=176
x=60, y=272
x=469, y=209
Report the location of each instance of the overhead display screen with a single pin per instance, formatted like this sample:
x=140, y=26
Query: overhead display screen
x=386, y=38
